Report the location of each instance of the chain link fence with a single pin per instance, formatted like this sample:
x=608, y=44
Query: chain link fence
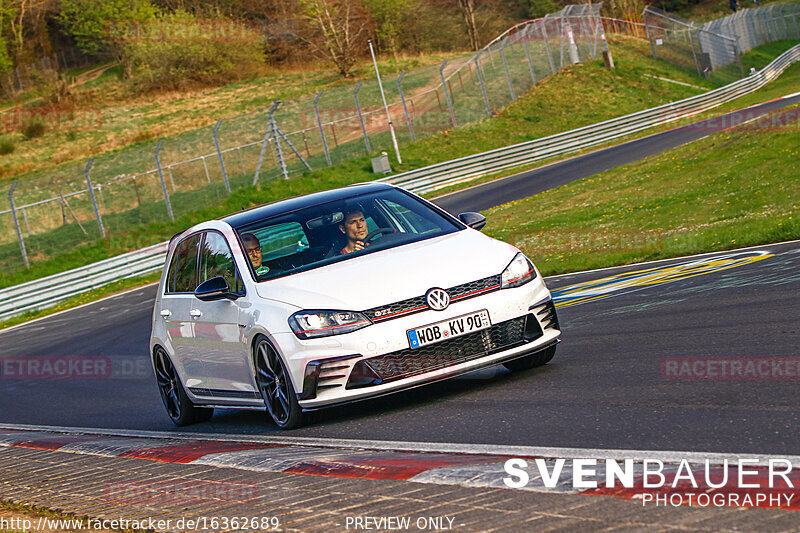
x=76, y=204
x=714, y=49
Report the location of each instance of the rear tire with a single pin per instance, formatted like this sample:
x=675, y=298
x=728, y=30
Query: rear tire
x=531, y=361
x=275, y=387
x=180, y=408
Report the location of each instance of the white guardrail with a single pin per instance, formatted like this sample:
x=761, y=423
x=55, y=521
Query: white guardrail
x=48, y=291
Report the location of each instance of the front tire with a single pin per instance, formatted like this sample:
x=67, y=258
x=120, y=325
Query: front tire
x=531, y=361
x=276, y=387
x=179, y=407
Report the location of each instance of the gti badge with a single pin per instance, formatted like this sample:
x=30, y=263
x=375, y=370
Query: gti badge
x=437, y=299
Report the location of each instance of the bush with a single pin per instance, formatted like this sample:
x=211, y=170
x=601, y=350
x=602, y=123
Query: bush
x=177, y=51
x=6, y=147
x=33, y=130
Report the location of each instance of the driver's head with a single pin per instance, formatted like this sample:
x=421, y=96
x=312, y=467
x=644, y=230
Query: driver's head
x=252, y=247
x=354, y=225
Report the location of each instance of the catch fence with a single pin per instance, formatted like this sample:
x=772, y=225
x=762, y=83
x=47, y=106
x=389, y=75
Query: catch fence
x=714, y=49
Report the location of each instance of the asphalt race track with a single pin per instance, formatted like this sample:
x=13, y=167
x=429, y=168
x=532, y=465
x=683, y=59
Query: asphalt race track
x=617, y=381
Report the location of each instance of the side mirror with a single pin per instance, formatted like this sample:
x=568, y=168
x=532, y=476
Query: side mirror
x=214, y=289
x=473, y=220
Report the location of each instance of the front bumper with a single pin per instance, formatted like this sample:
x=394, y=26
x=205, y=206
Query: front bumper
x=347, y=378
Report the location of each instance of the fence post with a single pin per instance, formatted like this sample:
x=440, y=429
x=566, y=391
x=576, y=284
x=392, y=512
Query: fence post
x=527, y=52
x=163, y=183
x=647, y=32
x=405, y=107
x=447, y=94
x=219, y=155
x=94, y=200
x=505, y=66
x=321, y=129
x=694, y=54
x=278, y=149
x=480, y=80
x=205, y=168
x=16, y=225
x=264, y=144
x=361, y=117
x=546, y=39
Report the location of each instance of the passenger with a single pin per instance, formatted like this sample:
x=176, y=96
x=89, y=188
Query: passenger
x=355, y=229
x=252, y=248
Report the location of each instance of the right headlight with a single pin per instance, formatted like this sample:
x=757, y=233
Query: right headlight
x=518, y=272
x=314, y=324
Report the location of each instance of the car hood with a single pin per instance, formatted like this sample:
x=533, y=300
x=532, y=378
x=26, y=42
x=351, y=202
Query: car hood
x=394, y=274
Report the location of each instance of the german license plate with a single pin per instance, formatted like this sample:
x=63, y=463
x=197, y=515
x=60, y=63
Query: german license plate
x=449, y=329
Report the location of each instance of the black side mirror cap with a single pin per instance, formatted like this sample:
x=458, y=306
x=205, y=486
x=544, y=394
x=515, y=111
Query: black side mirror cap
x=214, y=289
x=473, y=220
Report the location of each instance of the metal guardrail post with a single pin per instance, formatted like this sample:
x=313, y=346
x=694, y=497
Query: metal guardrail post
x=505, y=66
x=264, y=144
x=94, y=199
x=528, y=52
x=447, y=94
x=219, y=155
x=163, y=182
x=361, y=117
x=480, y=80
x=16, y=225
x=321, y=129
x=405, y=107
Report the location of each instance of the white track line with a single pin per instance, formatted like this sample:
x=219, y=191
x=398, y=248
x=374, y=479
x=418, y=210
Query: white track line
x=714, y=458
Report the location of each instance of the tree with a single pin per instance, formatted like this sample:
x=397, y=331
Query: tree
x=389, y=16
x=337, y=30
x=96, y=25
x=467, y=8
x=540, y=8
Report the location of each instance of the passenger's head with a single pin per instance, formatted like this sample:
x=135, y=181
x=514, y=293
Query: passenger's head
x=252, y=247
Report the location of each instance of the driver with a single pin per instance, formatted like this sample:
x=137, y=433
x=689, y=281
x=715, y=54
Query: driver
x=252, y=247
x=355, y=229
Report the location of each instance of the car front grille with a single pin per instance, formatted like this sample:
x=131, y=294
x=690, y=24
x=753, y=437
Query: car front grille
x=410, y=362
x=418, y=304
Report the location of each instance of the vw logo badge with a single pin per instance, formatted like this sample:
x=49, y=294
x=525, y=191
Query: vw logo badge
x=437, y=299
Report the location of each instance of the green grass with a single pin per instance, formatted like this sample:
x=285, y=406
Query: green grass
x=733, y=189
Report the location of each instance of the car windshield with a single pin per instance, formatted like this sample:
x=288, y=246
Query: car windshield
x=338, y=231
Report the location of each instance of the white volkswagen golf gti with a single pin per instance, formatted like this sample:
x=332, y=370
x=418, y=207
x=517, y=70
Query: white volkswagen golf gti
x=339, y=296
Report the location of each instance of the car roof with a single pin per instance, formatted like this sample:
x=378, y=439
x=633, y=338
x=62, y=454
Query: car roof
x=244, y=218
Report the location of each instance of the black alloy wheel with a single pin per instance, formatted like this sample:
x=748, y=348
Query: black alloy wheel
x=276, y=387
x=179, y=407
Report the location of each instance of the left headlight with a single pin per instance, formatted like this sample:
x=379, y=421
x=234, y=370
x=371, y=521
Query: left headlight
x=314, y=324
x=518, y=272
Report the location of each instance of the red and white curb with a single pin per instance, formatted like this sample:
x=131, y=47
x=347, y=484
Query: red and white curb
x=442, y=464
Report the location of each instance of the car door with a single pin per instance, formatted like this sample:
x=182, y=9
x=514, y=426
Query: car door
x=175, y=306
x=218, y=339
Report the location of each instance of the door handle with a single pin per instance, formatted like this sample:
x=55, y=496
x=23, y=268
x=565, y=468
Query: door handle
x=195, y=313
x=165, y=313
